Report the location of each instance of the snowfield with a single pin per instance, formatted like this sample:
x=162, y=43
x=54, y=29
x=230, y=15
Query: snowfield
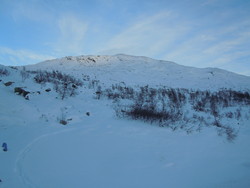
x=100, y=150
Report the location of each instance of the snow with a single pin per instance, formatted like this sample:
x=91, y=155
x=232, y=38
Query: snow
x=136, y=70
x=101, y=150
x=100, y=158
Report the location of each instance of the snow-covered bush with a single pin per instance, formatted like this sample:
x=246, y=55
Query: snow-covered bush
x=170, y=107
x=64, y=84
x=116, y=92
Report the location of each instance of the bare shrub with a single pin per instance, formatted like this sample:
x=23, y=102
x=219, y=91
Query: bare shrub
x=4, y=72
x=64, y=84
x=167, y=107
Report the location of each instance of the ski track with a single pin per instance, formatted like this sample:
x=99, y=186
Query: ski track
x=22, y=154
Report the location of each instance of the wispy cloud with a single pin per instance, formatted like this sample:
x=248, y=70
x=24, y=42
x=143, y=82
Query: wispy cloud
x=67, y=28
x=214, y=47
x=30, y=10
x=21, y=57
x=195, y=42
x=71, y=35
x=147, y=36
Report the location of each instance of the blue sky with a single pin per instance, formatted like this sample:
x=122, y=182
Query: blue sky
x=200, y=33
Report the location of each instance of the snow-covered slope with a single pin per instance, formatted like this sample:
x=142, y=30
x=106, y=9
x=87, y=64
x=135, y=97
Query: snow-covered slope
x=136, y=70
x=97, y=149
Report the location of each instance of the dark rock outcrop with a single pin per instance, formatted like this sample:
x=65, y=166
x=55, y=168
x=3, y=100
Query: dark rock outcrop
x=21, y=91
x=8, y=83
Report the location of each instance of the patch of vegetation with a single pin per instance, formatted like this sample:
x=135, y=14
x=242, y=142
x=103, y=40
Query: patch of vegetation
x=184, y=109
x=4, y=72
x=64, y=84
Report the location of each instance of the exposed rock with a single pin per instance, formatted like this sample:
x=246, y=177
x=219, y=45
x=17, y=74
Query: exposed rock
x=4, y=146
x=21, y=91
x=8, y=83
x=63, y=122
x=48, y=90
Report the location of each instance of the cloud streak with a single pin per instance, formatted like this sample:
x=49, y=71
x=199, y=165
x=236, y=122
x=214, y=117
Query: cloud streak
x=214, y=48
x=147, y=36
x=71, y=35
x=67, y=28
x=21, y=57
x=32, y=10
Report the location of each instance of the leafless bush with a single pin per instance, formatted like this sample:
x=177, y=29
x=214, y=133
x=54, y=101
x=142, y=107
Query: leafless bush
x=64, y=84
x=167, y=106
x=4, y=72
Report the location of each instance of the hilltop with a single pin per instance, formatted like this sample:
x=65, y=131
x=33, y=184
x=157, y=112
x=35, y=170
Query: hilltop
x=137, y=70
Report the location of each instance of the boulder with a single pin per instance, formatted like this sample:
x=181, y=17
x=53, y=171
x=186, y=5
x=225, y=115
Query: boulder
x=4, y=146
x=21, y=91
x=8, y=83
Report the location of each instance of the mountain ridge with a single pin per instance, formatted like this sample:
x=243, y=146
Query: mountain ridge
x=146, y=71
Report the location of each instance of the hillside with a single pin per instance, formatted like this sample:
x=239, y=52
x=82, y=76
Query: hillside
x=136, y=70
x=123, y=121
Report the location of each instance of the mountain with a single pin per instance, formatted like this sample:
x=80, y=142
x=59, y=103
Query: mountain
x=136, y=70
x=123, y=121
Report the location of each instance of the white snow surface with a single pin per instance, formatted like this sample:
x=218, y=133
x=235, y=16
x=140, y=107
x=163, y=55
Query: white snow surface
x=101, y=151
x=137, y=70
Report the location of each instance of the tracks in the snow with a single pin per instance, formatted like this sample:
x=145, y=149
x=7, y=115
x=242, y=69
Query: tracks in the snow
x=19, y=168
